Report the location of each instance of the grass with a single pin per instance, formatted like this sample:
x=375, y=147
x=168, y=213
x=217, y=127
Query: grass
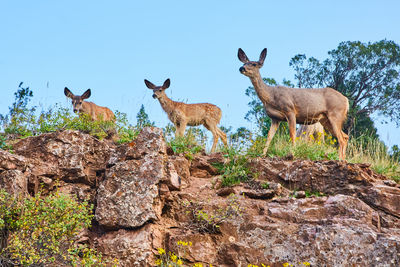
x=374, y=152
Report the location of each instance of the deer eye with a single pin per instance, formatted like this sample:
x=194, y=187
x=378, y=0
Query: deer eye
x=254, y=64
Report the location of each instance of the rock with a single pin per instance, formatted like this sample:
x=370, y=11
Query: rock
x=130, y=247
x=149, y=143
x=78, y=157
x=258, y=194
x=181, y=166
x=10, y=161
x=14, y=182
x=173, y=180
x=139, y=194
x=300, y=194
x=203, y=166
x=129, y=195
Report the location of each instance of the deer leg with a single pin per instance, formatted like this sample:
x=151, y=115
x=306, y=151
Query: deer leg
x=271, y=133
x=333, y=128
x=213, y=129
x=222, y=135
x=292, y=127
x=182, y=128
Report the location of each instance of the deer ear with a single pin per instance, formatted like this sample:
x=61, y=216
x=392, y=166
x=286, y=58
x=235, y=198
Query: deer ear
x=68, y=93
x=86, y=94
x=242, y=56
x=166, y=84
x=149, y=85
x=262, y=56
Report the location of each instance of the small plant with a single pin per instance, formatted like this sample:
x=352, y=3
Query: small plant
x=314, y=193
x=236, y=169
x=265, y=185
x=209, y=222
x=192, y=143
x=3, y=143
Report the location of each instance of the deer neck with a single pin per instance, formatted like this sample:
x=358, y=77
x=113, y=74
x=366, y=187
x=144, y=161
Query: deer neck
x=261, y=88
x=166, y=103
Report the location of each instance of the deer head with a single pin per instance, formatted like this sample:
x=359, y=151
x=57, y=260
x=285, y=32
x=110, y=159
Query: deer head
x=250, y=68
x=158, y=91
x=76, y=99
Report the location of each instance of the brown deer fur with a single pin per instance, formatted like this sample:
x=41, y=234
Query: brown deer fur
x=94, y=111
x=305, y=106
x=306, y=131
x=182, y=115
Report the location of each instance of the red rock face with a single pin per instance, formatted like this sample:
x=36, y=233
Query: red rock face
x=138, y=191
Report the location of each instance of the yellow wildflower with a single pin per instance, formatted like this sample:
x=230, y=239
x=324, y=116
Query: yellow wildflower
x=161, y=251
x=173, y=257
x=179, y=262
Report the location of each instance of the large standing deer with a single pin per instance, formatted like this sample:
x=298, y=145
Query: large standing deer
x=94, y=111
x=182, y=115
x=305, y=106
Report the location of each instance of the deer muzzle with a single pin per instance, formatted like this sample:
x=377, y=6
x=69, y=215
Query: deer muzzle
x=241, y=69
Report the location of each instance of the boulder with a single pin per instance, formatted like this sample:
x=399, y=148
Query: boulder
x=129, y=195
x=78, y=157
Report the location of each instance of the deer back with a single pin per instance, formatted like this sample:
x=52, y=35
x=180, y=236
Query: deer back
x=97, y=112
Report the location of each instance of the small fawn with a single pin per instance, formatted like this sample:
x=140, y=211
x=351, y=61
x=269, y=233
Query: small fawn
x=182, y=115
x=94, y=111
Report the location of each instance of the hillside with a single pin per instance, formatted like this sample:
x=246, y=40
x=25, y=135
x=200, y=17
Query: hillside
x=326, y=213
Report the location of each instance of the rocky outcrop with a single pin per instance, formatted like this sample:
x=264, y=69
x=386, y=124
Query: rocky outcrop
x=128, y=197
x=327, y=213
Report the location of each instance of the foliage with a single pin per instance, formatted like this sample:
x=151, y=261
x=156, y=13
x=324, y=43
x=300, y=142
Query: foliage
x=143, y=118
x=235, y=169
x=367, y=73
x=126, y=131
x=169, y=258
x=367, y=149
x=209, y=221
x=193, y=142
x=20, y=117
x=3, y=143
x=22, y=121
x=42, y=230
x=395, y=153
x=59, y=118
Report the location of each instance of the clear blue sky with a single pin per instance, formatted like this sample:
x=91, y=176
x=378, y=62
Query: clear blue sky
x=111, y=46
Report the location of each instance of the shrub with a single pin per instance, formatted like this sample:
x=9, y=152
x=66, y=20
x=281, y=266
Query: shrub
x=43, y=230
x=209, y=221
x=192, y=143
x=235, y=170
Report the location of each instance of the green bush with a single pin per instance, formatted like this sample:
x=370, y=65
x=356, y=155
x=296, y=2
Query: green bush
x=235, y=170
x=193, y=142
x=43, y=230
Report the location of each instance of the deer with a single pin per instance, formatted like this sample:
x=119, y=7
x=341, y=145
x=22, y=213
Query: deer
x=182, y=114
x=94, y=111
x=295, y=105
x=306, y=131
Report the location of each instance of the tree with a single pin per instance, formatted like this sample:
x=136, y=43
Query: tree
x=367, y=73
x=20, y=117
x=143, y=119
